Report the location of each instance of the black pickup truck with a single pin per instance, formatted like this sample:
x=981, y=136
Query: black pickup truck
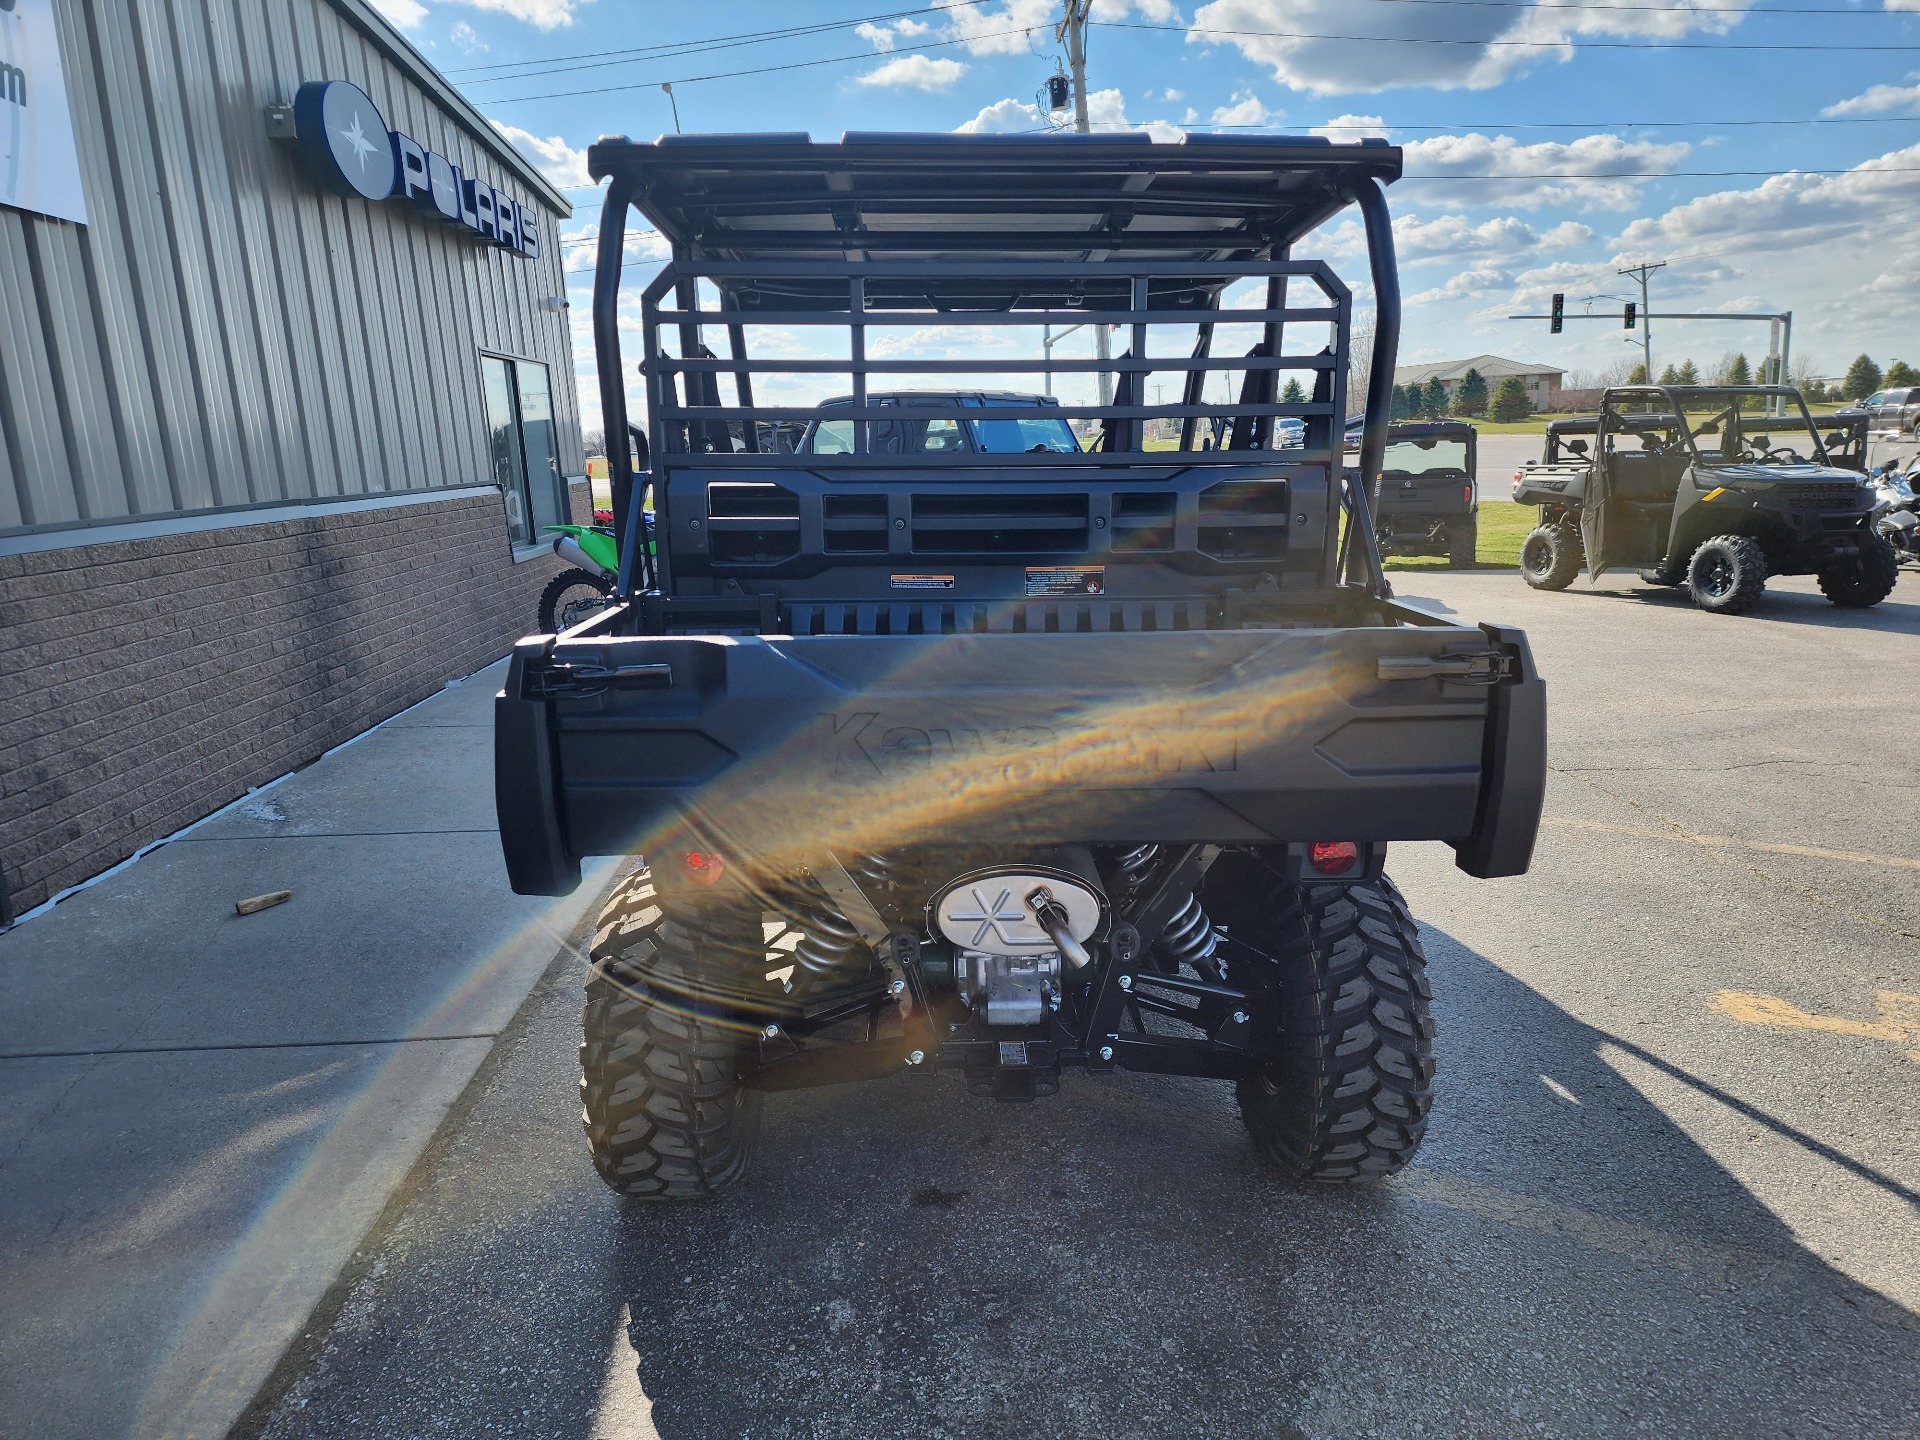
x=951, y=754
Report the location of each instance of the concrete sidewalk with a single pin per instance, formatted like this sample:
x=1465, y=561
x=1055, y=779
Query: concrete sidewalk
x=201, y=1114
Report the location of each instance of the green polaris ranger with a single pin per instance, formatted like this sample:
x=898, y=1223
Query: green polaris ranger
x=967, y=736
x=1713, y=488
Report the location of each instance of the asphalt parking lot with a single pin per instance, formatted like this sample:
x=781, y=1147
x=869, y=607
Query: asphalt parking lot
x=1672, y=1185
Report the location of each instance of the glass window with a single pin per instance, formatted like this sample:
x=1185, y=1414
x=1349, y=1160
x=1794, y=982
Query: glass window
x=831, y=437
x=1016, y=437
x=523, y=446
x=1426, y=457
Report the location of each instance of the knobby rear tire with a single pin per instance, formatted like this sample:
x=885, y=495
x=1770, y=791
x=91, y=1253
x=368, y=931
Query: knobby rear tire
x=554, y=599
x=1550, y=557
x=1347, y=1098
x=665, y=1113
x=1865, y=580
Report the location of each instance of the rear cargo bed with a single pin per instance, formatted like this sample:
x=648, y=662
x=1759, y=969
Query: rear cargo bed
x=773, y=748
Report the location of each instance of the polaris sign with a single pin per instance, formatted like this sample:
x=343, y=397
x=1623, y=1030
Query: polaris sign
x=345, y=141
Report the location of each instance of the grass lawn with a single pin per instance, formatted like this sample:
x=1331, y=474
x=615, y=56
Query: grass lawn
x=1503, y=525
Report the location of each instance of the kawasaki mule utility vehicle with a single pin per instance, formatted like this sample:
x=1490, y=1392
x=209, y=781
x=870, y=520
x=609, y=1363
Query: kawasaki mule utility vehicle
x=1426, y=491
x=1700, y=486
x=957, y=741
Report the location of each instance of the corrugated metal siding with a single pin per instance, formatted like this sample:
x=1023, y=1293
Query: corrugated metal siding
x=226, y=332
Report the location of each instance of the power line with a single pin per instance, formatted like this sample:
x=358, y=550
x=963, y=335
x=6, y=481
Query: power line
x=1515, y=44
x=772, y=69
x=1479, y=126
x=526, y=69
x=1674, y=174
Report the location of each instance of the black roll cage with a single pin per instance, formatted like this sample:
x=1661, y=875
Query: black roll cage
x=1265, y=194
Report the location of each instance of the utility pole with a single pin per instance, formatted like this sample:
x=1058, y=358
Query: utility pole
x=1640, y=273
x=1072, y=30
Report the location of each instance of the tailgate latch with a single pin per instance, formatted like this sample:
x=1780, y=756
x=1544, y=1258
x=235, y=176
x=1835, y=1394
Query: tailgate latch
x=1487, y=667
x=581, y=678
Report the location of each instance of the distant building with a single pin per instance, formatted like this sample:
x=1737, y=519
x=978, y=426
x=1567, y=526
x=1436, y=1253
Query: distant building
x=1542, y=382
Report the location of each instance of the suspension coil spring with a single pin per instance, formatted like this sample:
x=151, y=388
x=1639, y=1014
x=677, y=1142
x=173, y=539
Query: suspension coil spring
x=1133, y=867
x=1189, y=937
x=829, y=943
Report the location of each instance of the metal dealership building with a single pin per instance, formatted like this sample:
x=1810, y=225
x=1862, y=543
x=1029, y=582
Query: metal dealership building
x=286, y=398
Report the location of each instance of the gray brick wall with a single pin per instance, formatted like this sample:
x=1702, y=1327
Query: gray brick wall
x=146, y=683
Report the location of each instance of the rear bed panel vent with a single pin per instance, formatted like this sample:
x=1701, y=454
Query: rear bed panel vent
x=1143, y=521
x=854, y=524
x=1245, y=520
x=752, y=523
x=999, y=523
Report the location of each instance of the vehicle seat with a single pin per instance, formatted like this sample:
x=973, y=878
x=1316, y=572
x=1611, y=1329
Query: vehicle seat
x=1646, y=479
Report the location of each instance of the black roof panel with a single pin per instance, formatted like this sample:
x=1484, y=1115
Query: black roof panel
x=934, y=197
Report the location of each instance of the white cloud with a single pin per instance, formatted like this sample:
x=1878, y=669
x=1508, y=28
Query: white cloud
x=1014, y=27
x=1246, y=109
x=1903, y=4
x=1106, y=112
x=546, y=14
x=915, y=72
x=1509, y=169
x=1005, y=117
x=565, y=166
x=1353, y=127
x=407, y=14
x=1447, y=47
x=467, y=38
x=1171, y=95
x=1467, y=285
x=1448, y=237
x=1791, y=212
x=885, y=37
x=1879, y=99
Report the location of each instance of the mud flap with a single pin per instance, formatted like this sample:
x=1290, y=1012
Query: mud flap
x=532, y=838
x=1513, y=770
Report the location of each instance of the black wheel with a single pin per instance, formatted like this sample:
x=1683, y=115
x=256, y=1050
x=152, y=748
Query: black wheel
x=571, y=597
x=1347, y=1096
x=1550, y=557
x=666, y=1115
x=1862, y=580
x=1727, y=574
x=1462, y=546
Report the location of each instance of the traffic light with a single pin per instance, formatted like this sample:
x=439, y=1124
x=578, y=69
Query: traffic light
x=1559, y=313
x=1630, y=314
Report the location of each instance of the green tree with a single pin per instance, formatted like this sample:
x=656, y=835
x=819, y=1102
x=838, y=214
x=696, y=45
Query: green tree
x=1434, y=402
x=1863, y=378
x=1900, y=373
x=1510, y=401
x=1670, y=376
x=1400, y=410
x=1814, y=391
x=1293, y=394
x=1637, y=375
x=1689, y=373
x=1470, y=396
x=1416, y=400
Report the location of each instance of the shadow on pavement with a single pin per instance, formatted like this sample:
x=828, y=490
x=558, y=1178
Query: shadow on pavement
x=906, y=1259
x=1789, y=606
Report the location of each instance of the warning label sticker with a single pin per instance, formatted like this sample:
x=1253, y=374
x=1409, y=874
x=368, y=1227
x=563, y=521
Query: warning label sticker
x=1066, y=580
x=923, y=582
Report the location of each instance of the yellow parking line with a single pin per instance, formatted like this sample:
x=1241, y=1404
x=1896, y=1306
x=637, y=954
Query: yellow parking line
x=1899, y=1022
x=1733, y=842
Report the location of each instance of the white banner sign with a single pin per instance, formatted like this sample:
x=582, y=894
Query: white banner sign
x=39, y=167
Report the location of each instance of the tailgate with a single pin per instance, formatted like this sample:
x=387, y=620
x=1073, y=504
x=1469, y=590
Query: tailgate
x=775, y=748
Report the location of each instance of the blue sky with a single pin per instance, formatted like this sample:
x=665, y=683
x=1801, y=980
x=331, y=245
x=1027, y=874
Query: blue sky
x=1488, y=96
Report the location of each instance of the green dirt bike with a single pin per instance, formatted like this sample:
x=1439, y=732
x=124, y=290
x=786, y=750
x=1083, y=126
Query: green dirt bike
x=583, y=590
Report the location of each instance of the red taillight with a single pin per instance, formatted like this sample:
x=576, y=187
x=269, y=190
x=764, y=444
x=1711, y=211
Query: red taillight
x=1333, y=857
x=1466, y=494
x=703, y=867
